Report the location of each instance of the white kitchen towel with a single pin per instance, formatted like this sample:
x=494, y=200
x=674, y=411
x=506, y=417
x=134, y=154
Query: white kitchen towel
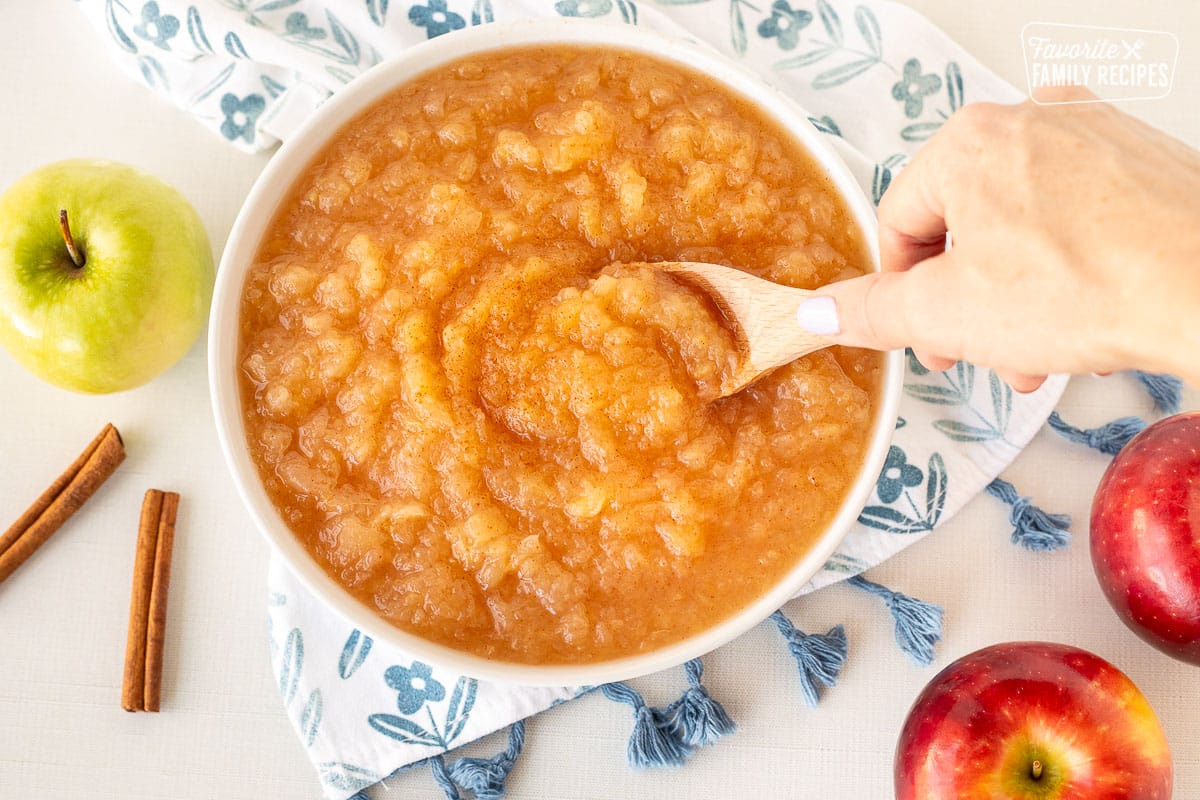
x=875, y=76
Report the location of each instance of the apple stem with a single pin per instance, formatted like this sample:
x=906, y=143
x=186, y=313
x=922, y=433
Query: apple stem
x=72, y=249
x=1035, y=770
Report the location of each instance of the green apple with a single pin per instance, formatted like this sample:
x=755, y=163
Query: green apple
x=106, y=274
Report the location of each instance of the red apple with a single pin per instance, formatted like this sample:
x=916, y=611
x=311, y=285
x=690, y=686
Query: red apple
x=1146, y=535
x=1032, y=721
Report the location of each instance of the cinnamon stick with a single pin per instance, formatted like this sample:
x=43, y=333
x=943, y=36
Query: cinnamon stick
x=141, y=685
x=156, y=632
x=62, y=499
x=134, y=682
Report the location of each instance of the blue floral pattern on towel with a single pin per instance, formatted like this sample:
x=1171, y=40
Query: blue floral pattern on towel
x=414, y=686
x=583, y=8
x=413, y=696
x=897, y=474
x=324, y=44
x=435, y=18
x=784, y=24
x=240, y=115
x=913, y=87
x=156, y=27
x=892, y=490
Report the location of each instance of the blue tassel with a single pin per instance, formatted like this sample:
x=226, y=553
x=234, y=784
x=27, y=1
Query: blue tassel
x=918, y=624
x=698, y=719
x=437, y=765
x=484, y=777
x=1165, y=390
x=1108, y=438
x=652, y=743
x=819, y=656
x=1033, y=528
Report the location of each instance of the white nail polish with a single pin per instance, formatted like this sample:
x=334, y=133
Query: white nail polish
x=819, y=315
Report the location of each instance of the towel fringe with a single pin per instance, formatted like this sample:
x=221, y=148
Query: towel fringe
x=1165, y=390
x=653, y=742
x=1109, y=438
x=918, y=624
x=437, y=766
x=819, y=656
x=696, y=718
x=484, y=777
x=1033, y=528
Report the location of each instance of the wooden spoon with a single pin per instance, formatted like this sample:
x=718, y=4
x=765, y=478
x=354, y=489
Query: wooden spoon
x=760, y=314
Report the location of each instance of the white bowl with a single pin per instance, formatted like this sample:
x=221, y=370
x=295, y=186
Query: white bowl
x=272, y=187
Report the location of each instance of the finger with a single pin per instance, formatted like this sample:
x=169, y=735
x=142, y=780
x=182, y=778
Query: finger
x=888, y=310
x=1020, y=382
x=914, y=211
x=934, y=363
x=900, y=251
x=912, y=225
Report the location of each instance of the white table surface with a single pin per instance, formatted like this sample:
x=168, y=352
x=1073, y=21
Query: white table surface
x=223, y=733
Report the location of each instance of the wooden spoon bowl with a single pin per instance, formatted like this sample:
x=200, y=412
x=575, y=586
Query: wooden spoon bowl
x=760, y=314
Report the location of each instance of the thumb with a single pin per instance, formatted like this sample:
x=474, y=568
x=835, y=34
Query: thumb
x=880, y=311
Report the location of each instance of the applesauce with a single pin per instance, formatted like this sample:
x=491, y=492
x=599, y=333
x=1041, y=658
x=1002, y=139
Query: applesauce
x=489, y=438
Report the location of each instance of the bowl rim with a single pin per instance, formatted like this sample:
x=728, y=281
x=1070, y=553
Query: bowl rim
x=272, y=187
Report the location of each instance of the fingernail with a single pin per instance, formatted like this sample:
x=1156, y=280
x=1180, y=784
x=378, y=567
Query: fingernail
x=819, y=315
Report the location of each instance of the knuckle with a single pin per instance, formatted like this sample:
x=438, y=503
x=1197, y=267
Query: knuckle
x=881, y=317
x=973, y=115
x=975, y=119
x=866, y=312
x=1044, y=95
x=1021, y=382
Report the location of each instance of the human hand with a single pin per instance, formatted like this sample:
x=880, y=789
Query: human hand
x=1075, y=247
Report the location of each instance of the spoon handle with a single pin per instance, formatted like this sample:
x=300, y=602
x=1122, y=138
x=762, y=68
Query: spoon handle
x=773, y=329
